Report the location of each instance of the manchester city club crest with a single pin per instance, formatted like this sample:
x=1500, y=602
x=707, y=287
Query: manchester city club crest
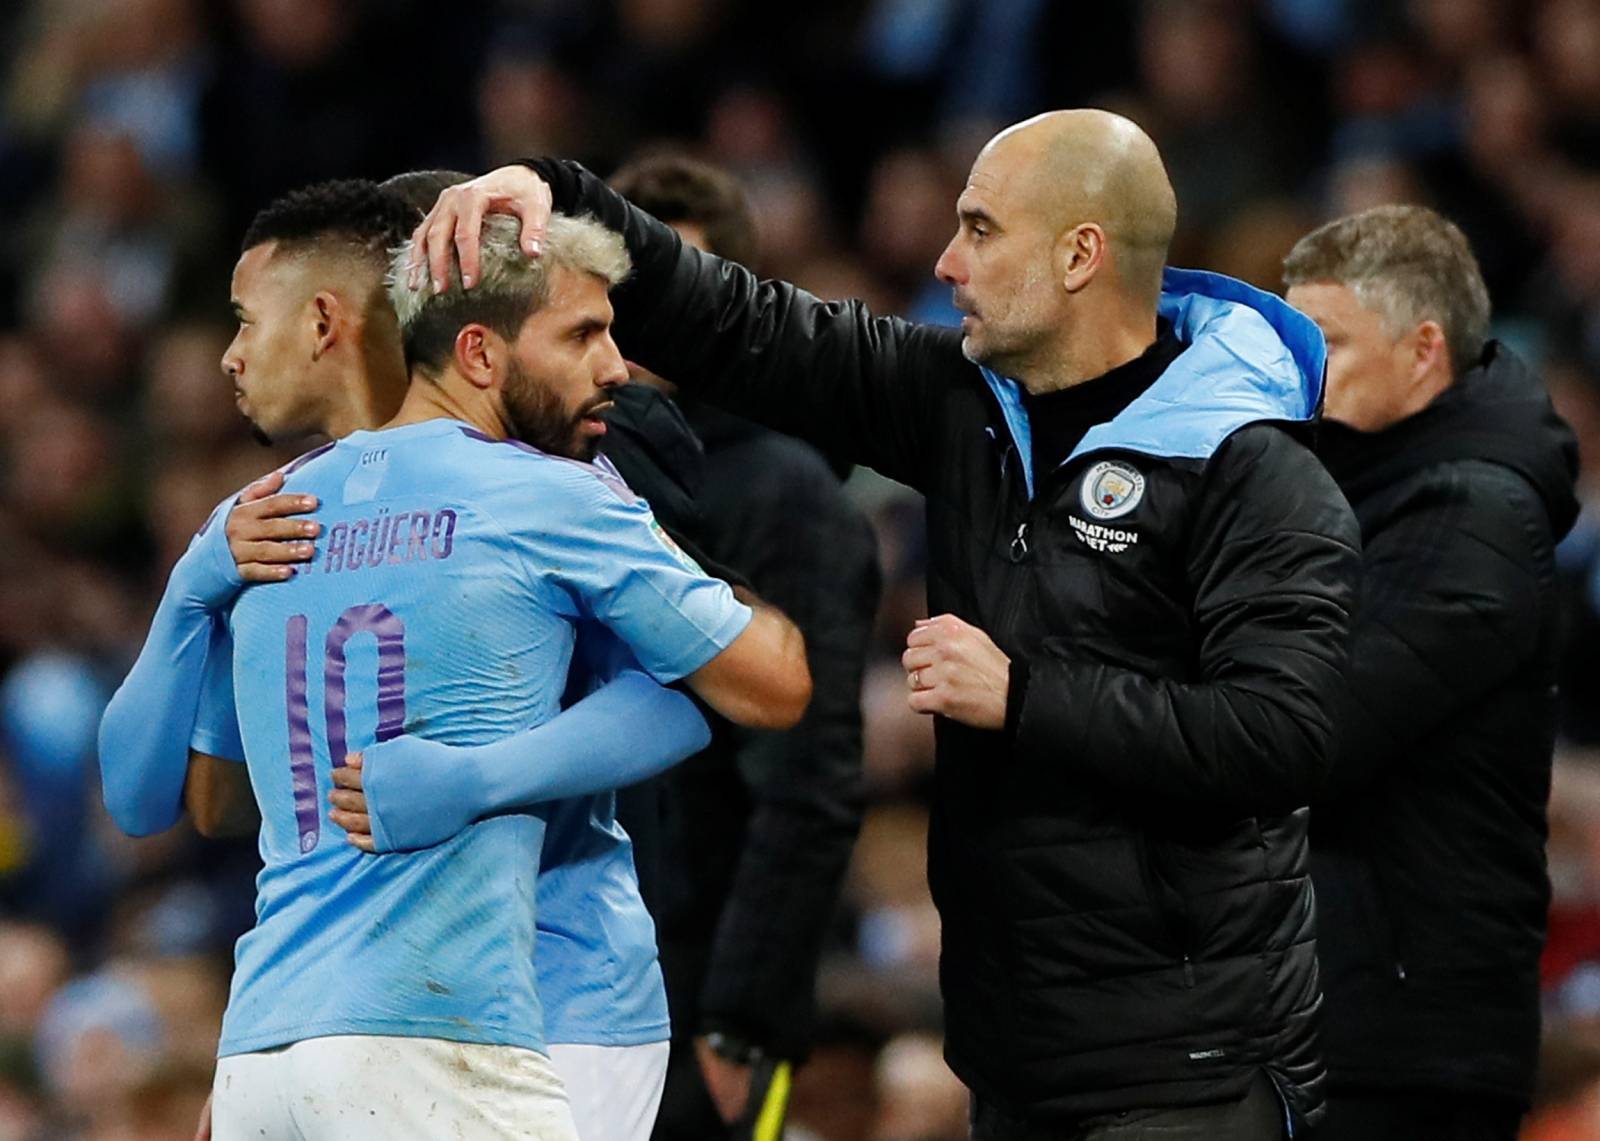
x=1111, y=489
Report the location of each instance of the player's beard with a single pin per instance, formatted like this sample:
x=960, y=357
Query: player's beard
x=536, y=417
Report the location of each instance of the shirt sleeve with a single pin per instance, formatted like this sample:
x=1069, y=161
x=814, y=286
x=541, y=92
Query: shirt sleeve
x=149, y=721
x=216, y=720
x=600, y=546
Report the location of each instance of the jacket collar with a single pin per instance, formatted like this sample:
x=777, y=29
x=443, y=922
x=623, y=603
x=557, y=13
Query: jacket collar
x=1497, y=412
x=1250, y=358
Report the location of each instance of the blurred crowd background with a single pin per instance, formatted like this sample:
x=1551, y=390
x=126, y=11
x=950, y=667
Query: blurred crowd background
x=137, y=137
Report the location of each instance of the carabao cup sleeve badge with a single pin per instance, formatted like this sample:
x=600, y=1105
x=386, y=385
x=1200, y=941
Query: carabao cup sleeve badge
x=1111, y=489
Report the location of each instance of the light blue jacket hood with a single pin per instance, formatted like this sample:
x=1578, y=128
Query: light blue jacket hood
x=1250, y=357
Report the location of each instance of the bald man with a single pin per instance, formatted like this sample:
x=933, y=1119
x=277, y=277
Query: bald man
x=1141, y=582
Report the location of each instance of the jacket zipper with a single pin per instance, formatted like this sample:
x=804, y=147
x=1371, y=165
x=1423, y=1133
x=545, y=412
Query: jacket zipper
x=1019, y=543
x=1019, y=549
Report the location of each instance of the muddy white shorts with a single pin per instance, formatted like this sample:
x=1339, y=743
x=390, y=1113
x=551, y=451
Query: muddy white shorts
x=615, y=1091
x=374, y=1088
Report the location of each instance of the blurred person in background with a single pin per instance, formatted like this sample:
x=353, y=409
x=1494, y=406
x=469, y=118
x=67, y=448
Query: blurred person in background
x=33, y=963
x=100, y=1038
x=919, y=1099
x=1199, y=62
x=1567, y=1101
x=902, y=227
x=1140, y=743
x=300, y=93
x=1570, y=967
x=894, y=979
x=757, y=831
x=1577, y=401
x=1428, y=842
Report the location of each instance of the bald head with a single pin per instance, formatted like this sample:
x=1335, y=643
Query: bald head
x=1088, y=165
x=1061, y=235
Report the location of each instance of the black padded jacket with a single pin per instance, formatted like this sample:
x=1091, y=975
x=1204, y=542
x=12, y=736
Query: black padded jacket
x=1428, y=846
x=1121, y=874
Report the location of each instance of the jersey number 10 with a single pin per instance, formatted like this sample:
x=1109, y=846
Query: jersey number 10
x=390, y=632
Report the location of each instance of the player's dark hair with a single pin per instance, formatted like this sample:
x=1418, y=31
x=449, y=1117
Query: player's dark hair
x=421, y=188
x=354, y=213
x=677, y=188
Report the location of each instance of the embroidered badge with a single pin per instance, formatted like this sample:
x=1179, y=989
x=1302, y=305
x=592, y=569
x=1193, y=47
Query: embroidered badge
x=1111, y=489
x=677, y=552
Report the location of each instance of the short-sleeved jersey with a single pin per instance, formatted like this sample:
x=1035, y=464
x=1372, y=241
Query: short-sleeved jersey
x=449, y=577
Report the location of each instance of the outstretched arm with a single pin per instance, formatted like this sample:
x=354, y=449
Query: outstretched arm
x=862, y=388
x=409, y=793
x=145, y=731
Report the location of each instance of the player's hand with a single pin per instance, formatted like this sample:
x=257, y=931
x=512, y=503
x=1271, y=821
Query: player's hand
x=404, y=794
x=202, y=1131
x=453, y=225
x=955, y=669
x=728, y=1082
x=349, y=802
x=264, y=538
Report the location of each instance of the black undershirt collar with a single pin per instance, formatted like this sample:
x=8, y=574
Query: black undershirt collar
x=1059, y=420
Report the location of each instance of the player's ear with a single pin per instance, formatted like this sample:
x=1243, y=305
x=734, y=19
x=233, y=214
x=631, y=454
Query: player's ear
x=326, y=317
x=478, y=353
x=1079, y=254
x=1429, y=353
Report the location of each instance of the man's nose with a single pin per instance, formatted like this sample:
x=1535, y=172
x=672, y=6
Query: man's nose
x=614, y=370
x=948, y=268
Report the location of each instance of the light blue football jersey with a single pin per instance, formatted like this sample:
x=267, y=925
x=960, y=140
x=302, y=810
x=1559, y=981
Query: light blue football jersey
x=448, y=581
x=595, y=952
x=599, y=973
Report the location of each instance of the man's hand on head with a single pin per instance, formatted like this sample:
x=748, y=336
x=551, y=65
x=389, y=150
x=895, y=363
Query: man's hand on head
x=264, y=537
x=453, y=226
x=955, y=669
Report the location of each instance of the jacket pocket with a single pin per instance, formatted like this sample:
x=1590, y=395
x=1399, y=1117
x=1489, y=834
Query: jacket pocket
x=1170, y=911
